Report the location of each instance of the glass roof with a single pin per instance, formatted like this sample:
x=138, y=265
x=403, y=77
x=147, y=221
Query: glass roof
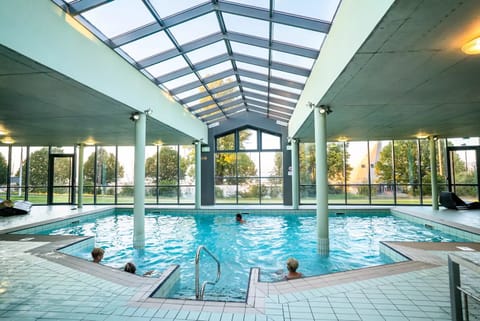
x=217, y=58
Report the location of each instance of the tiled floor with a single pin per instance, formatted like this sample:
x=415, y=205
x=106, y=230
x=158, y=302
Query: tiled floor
x=37, y=283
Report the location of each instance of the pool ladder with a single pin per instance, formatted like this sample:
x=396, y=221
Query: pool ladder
x=200, y=292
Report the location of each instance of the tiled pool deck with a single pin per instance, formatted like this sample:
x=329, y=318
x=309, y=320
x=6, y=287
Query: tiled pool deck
x=37, y=283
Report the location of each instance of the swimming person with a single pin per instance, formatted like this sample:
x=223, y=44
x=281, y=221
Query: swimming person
x=97, y=254
x=239, y=218
x=292, y=266
x=131, y=268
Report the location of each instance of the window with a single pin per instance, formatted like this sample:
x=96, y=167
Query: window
x=249, y=174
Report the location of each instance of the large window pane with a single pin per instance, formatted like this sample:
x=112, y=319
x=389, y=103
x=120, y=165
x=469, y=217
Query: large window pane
x=225, y=143
x=226, y=190
x=270, y=141
x=3, y=171
x=225, y=165
x=249, y=190
x=248, y=139
x=271, y=164
x=382, y=174
x=271, y=190
x=407, y=171
x=125, y=175
x=247, y=164
x=38, y=175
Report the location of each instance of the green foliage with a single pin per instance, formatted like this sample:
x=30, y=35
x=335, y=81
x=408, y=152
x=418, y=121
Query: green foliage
x=168, y=167
x=335, y=164
x=3, y=170
x=105, y=168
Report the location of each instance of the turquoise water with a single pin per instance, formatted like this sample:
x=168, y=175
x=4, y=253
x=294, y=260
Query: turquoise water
x=264, y=241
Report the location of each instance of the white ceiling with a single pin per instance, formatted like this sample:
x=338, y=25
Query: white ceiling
x=42, y=107
x=410, y=77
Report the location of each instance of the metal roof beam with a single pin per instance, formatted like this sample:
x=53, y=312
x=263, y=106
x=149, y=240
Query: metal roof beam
x=277, y=17
x=276, y=45
x=275, y=80
x=275, y=91
x=78, y=7
x=275, y=65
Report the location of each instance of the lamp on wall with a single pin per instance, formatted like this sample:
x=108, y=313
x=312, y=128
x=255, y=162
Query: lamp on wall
x=135, y=116
x=324, y=109
x=472, y=47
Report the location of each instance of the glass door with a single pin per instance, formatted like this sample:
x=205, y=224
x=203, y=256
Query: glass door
x=463, y=172
x=61, y=179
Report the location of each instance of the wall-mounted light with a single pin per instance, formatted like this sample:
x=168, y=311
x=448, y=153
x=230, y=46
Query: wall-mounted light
x=472, y=47
x=324, y=109
x=135, y=116
x=342, y=139
x=148, y=111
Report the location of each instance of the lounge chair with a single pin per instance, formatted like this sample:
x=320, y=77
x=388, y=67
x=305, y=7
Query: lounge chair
x=451, y=201
x=18, y=208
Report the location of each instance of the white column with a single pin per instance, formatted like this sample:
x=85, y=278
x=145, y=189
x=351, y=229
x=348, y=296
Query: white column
x=139, y=183
x=198, y=175
x=80, y=176
x=320, y=118
x=433, y=169
x=295, y=169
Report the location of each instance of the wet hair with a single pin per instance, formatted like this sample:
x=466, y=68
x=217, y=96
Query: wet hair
x=130, y=267
x=238, y=217
x=97, y=251
x=292, y=264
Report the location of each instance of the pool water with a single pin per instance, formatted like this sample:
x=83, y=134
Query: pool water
x=264, y=241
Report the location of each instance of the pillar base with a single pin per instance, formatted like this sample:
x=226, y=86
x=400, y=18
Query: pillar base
x=139, y=241
x=323, y=247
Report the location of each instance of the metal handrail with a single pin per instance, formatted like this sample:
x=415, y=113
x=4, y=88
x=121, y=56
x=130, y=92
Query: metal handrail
x=200, y=292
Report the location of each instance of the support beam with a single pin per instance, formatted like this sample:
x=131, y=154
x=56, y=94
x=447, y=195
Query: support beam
x=433, y=172
x=295, y=169
x=320, y=118
x=139, y=183
x=198, y=174
x=81, y=148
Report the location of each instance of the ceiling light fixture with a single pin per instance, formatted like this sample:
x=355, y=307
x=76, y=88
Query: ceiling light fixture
x=8, y=140
x=472, y=47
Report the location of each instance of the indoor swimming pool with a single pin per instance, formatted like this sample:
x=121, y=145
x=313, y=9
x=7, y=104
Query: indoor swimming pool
x=265, y=241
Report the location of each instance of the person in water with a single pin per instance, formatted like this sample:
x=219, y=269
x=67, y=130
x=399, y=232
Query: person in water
x=239, y=218
x=292, y=266
x=97, y=254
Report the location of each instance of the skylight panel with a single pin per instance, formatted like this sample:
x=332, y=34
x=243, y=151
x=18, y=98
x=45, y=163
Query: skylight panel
x=204, y=53
x=298, y=36
x=172, y=84
x=246, y=25
x=322, y=10
x=288, y=76
x=265, y=4
x=148, y=46
x=213, y=70
x=200, y=27
x=283, y=97
x=117, y=17
x=168, y=8
x=285, y=88
x=294, y=60
x=227, y=92
x=167, y=66
x=220, y=82
x=187, y=93
x=247, y=90
x=254, y=68
x=250, y=50
x=253, y=81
